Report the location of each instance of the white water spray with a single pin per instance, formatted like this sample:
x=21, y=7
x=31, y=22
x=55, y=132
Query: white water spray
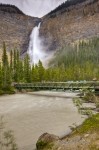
x=36, y=51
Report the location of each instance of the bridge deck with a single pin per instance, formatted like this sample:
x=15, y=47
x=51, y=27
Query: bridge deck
x=94, y=85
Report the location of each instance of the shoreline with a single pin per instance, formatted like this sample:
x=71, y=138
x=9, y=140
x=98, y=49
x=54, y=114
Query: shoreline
x=78, y=133
x=38, y=114
x=85, y=136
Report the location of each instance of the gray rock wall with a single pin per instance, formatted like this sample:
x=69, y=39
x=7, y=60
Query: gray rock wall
x=15, y=28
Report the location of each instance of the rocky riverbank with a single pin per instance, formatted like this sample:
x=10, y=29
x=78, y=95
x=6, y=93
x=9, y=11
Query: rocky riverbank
x=84, y=137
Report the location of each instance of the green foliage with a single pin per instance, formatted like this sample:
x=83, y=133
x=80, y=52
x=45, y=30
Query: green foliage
x=41, y=145
x=78, y=62
x=89, y=97
x=97, y=104
x=0, y=77
x=40, y=71
x=89, y=125
x=81, y=61
x=6, y=74
x=27, y=69
x=77, y=102
x=84, y=111
x=4, y=56
x=1, y=92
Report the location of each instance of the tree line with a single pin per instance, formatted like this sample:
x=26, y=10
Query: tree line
x=13, y=69
x=77, y=62
x=81, y=61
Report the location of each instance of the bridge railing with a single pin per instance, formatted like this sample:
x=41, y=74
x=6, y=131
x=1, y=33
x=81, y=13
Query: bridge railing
x=65, y=85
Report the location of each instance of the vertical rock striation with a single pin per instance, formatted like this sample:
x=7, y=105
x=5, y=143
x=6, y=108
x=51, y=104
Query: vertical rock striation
x=15, y=28
x=74, y=20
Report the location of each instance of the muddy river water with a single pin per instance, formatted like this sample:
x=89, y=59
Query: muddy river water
x=30, y=115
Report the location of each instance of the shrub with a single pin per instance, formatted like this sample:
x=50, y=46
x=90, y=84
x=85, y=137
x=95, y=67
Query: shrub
x=89, y=97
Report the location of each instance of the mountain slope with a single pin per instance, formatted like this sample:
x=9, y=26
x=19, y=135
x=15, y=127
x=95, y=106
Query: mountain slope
x=72, y=21
x=15, y=27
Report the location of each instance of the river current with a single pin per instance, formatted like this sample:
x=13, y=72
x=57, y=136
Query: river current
x=30, y=115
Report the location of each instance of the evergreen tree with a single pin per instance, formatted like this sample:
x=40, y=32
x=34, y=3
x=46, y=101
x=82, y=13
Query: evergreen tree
x=11, y=64
x=11, y=60
x=4, y=56
x=32, y=73
x=62, y=73
x=41, y=71
x=21, y=72
x=15, y=66
x=36, y=74
x=6, y=76
x=0, y=76
x=27, y=69
x=47, y=75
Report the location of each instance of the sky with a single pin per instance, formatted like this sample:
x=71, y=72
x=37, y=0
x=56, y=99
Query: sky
x=35, y=8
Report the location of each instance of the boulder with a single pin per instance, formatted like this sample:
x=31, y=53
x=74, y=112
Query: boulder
x=46, y=141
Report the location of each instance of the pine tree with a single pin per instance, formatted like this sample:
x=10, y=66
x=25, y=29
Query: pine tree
x=4, y=56
x=41, y=71
x=6, y=75
x=47, y=75
x=36, y=74
x=27, y=69
x=11, y=60
x=0, y=76
x=11, y=64
x=62, y=73
x=21, y=71
x=15, y=66
x=32, y=73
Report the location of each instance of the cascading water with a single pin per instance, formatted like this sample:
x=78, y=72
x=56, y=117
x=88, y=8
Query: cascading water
x=36, y=52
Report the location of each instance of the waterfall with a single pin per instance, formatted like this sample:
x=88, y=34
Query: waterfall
x=36, y=51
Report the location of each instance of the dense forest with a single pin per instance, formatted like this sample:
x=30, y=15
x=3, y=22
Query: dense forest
x=77, y=62
x=80, y=61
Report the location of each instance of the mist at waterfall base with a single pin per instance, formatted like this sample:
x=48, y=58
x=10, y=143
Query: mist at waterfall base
x=36, y=49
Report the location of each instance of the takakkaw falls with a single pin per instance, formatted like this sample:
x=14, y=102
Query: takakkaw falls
x=49, y=74
x=36, y=51
x=36, y=47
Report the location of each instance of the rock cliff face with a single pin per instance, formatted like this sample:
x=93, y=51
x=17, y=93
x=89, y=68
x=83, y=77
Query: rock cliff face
x=74, y=20
x=15, y=27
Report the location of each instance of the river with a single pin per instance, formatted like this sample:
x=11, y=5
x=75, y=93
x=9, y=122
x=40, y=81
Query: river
x=30, y=115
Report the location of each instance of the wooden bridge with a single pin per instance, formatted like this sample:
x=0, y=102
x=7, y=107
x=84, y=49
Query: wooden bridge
x=81, y=85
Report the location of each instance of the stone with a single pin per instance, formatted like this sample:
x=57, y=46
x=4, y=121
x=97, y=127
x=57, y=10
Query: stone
x=46, y=140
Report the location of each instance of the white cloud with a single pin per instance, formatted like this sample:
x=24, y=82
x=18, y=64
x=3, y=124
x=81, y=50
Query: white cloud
x=36, y=8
